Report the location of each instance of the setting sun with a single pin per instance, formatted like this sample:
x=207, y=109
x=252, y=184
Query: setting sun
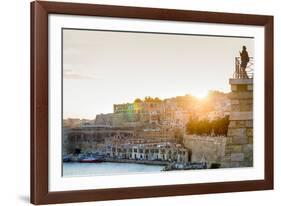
x=201, y=95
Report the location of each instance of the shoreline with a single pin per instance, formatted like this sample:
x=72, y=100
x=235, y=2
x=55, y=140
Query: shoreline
x=145, y=162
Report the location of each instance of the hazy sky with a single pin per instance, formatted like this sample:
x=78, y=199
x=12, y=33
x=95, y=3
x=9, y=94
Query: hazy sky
x=101, y=68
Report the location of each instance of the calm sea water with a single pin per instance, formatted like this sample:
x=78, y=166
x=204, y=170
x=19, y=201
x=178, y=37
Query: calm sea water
x=106, y=168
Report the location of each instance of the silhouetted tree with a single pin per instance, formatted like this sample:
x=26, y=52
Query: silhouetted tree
x=205, y=127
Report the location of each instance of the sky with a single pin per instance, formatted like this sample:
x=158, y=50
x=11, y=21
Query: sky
x=102, y=68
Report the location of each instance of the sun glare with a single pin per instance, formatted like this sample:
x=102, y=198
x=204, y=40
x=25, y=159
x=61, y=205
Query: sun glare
x=200, y=95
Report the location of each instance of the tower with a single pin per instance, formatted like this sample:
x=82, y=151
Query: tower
x=239, y=143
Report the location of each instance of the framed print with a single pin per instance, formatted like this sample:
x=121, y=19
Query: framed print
x=131, y=102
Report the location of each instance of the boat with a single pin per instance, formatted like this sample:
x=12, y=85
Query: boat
x=91, y=160
x=66, y=158
x=185, y=166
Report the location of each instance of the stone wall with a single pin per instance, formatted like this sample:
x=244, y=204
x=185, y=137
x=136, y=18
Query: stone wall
x=239, y=145
x=118, y=119
x=210, y=148
x=92, y=139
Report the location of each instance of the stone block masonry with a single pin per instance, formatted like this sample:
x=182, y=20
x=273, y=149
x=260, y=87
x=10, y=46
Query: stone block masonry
x=239, y=144
x=211, y=148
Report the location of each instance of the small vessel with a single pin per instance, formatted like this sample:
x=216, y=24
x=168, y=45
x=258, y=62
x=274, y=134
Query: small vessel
x=185, y=166
x=66, y=158
x=91, y=160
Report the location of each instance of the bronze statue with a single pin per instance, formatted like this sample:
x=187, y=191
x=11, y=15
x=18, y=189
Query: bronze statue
x=244, y=61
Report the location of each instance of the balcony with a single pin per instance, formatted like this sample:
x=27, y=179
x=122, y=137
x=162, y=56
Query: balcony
x=241, y=73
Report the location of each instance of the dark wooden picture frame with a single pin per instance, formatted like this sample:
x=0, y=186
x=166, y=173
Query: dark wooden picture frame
x=39, y=102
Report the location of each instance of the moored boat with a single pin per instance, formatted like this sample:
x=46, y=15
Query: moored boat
x=185, y=166
x=66, y=158
x=91, y=160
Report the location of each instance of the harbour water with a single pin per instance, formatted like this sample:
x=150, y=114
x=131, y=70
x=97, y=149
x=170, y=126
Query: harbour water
x=107, y=168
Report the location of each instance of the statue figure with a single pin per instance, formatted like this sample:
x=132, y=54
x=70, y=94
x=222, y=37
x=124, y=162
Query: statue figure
x=244, y=61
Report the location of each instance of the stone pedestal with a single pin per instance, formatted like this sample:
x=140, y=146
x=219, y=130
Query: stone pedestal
x=239, y=144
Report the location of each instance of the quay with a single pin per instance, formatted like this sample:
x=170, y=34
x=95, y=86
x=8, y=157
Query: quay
x=146, y=162
x=185, y=166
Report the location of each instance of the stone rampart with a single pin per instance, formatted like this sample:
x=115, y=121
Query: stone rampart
x=239, y=145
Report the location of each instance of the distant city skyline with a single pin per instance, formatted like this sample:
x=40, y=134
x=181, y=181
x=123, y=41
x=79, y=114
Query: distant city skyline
x=102, y=68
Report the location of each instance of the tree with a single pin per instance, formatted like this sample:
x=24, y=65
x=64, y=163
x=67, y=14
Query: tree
x=205, y=127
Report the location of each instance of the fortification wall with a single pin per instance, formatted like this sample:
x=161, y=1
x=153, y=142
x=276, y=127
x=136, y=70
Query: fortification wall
x=210, y=148
x=239, y=147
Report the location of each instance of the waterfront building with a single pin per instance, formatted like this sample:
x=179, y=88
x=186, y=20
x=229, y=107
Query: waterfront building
x=152, y=152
